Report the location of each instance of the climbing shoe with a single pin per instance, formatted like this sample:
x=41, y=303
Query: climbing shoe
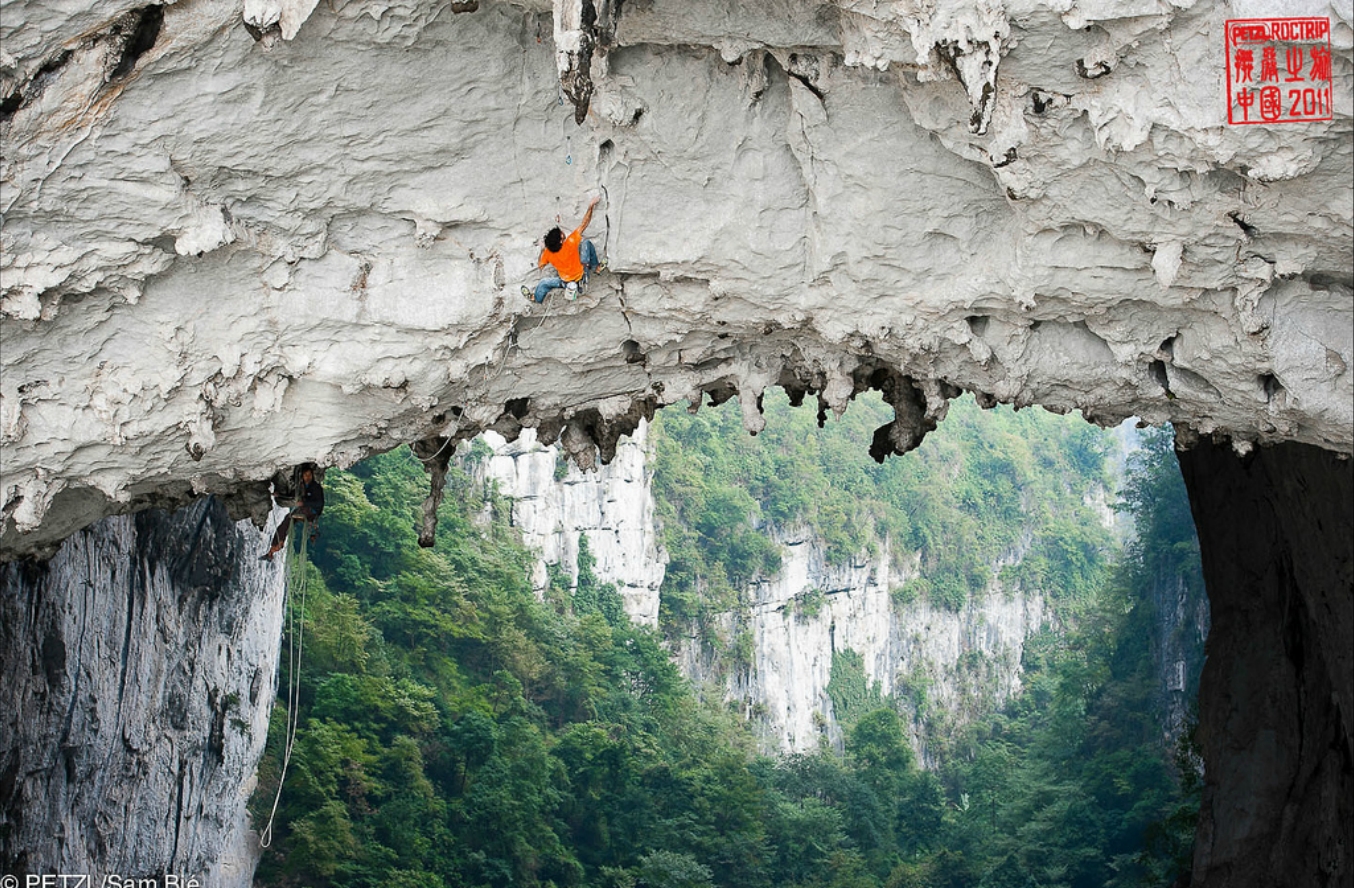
x=526, y=291
x=601, y=267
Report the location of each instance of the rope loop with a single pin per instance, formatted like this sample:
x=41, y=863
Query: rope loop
x=295, y=618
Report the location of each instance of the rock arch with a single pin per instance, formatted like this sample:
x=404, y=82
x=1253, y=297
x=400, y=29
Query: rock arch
x=291, y=232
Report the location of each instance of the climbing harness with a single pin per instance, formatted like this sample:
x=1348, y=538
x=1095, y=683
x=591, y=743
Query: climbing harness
x=296, y=587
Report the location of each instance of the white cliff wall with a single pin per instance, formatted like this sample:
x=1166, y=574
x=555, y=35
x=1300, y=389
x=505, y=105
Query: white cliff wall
x=612, y=505
x=967, y=660
x=139, y=667
x=784, y=686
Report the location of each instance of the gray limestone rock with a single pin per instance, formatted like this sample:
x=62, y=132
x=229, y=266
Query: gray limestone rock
x=139, y=669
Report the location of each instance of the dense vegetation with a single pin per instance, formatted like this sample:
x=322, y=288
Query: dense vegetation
x=983, y=485
x=1072, y=784
x=455, y=730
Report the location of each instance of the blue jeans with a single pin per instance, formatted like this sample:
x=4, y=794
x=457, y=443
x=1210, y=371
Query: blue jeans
x=588, y=254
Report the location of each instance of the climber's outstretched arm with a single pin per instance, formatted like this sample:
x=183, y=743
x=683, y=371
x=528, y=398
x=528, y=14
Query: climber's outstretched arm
x=587, y=217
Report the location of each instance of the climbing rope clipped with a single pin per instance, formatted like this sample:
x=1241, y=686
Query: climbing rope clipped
x=296, y=588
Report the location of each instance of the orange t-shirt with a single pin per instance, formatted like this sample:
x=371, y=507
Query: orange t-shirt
x=566, y=259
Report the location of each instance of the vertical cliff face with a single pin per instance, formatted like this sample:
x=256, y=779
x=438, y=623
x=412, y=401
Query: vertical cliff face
x=554, y=504
x=801, y=620
x=139, y=667
x=778, y=655
x=1179, y=628
x=1277, y=691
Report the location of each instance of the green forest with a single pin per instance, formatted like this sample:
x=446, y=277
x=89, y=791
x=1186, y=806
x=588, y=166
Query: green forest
x=453, y=729
x=972, y=491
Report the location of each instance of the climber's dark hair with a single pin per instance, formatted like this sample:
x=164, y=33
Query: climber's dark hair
x=554, y=239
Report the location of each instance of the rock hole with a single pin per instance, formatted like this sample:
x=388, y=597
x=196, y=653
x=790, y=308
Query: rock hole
x=1270, y=385
x=977, y=324
x=1099, y=69
x=142, y=27
x=518, y=407
x=633, y=355
x=267, y=35
x=52, y=65
x=1167, y=349
x=720, y=393
x=977, y=122
x=10, y=104
x=53, y=660
x=1246, y=227
x=805, y=80
x=36, y=84
x=1158, y=371
x=1039, y=103
x=459, y=6
x=1008, y=158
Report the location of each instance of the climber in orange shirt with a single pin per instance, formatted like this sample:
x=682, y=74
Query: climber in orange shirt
x=572, y=257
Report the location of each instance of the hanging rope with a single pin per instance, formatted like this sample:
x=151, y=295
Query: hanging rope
x=296, y=587
x=430, y=460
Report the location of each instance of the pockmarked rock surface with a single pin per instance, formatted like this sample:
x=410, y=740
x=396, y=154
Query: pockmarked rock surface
x=238, y=236
x=139, y=667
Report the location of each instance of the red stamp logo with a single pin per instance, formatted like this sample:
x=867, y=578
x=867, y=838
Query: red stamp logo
x=1278, y=70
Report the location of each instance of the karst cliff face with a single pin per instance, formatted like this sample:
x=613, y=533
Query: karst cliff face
x=241, y=236
x=963, y=663
x=554, y=505
x=783, y=686
x=139, y=668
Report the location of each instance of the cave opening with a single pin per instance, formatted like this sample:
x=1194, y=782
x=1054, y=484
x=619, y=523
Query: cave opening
x=973, y=603
x=438, y=672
